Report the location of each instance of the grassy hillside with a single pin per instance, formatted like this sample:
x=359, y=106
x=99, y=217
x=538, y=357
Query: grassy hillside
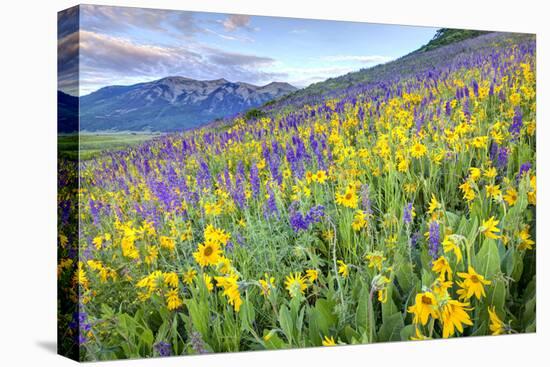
x=92, y=145
x=447, y=48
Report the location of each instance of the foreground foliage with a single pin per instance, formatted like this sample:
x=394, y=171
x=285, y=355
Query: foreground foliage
x=403, y=211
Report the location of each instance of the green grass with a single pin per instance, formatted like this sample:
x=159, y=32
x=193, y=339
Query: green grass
x=93, y=145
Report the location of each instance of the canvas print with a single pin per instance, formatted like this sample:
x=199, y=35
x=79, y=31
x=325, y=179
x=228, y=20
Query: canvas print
x=233, y=183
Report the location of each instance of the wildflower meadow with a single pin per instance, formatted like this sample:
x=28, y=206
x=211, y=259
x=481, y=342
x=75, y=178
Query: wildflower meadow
x=401, y=208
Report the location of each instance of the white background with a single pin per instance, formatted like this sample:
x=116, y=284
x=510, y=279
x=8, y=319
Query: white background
x=28, y=181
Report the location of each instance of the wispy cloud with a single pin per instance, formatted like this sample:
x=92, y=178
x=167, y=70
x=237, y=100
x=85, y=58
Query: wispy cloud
x=302, y=77
x=236, y=21
x=110, y=18
x=67, y=49
x=230, y=37
x=105, y=58
x=365, y=59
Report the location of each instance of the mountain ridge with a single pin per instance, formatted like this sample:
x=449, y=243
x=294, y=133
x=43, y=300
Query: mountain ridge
x=172, y=103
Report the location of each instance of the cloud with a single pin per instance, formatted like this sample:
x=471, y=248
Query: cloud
x=107, y=60
x=365, y=59
x=67, y=21
x=102, y=18
x=236, y=21
x=232, y=37
x=302, y=77
x=232, y=58
x=67, y=63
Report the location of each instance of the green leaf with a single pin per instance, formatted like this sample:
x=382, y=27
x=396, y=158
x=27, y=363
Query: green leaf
x=496, y=296
x=351, y=334
x=273, y=340
x=389, y=308
x=487, y=260
x=320, y=319
x=247, y=315
x=362, y=313
x=529, y=314
x=391, y=328
x=147, y=338
x=404, y=274
x=285, y=321
x=452, y=220
x=407, y=332
x=474, y=226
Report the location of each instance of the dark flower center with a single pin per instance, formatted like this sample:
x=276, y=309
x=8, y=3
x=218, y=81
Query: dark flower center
x=426, y=300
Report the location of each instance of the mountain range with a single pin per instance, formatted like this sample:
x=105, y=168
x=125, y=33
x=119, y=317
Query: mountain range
x=172, y=103
x=67, y=112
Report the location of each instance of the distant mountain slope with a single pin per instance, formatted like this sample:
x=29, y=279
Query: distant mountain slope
x=172, y=103
x=451, y=48
x=67, y=113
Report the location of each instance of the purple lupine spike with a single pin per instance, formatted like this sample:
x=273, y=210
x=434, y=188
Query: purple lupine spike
x=407, y=213
x=94, y=211
x=525, y=167
x=271, y=205
x=493, y=151
x=296, y=218
x=315, y=214
x=318, y=153
x=434, y=239
x=414, y=239
x=197, y=343
x=238, y=191
x=466, y=108
x=81, y=325
x=204, y=179
x=475, y=87
x=365, y=200
x=517, y=123
x=274, y=163
x=164, y=349
x=254, y=180
x=502, y=158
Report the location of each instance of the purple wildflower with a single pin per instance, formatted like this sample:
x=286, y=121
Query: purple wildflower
x=94, y=210
x=204, y=179
x=301, y=222
x=434, y=239
x=517, y=123
x=254, y=180
x=164, y=349
x=80, y=322
x=502, y=157
x=238, y=190
x=525, y=167
x=197, y=343
x=407, y=213
x=414, y=239
x=271, y=207
x=315, y=214
x=365, y=200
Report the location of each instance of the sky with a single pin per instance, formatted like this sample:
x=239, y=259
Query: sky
x=124, y=46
